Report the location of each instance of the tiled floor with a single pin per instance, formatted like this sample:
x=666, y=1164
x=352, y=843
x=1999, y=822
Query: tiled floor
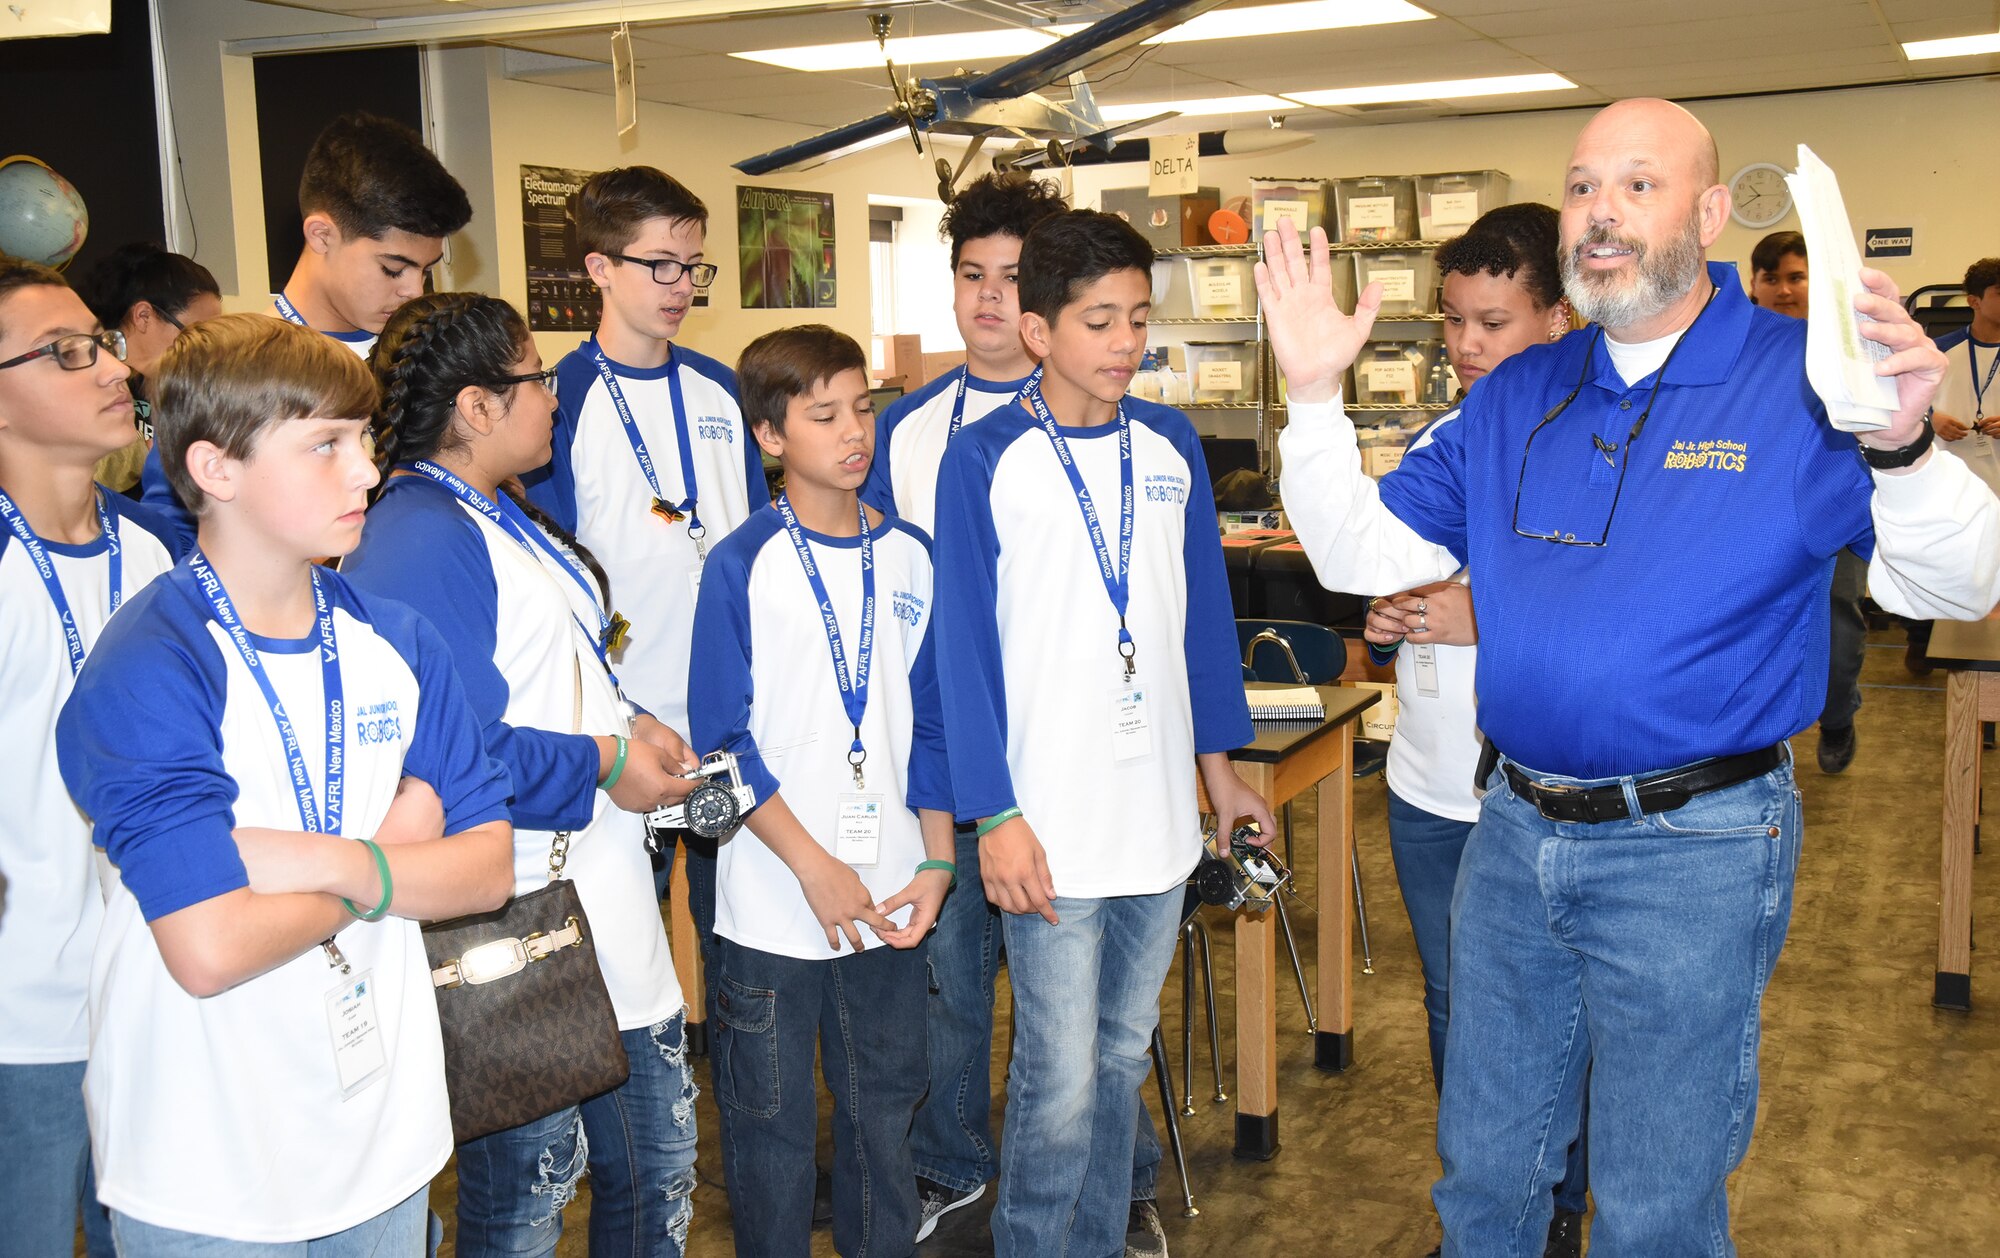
x=1875, y=1131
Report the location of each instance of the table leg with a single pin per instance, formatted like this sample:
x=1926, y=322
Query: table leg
x=687, y=952
x=1333, y=1043
x=1953, y=989
x=1256, y=1036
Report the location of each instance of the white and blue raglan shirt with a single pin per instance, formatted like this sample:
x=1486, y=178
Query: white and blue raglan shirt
x=156, y=493
x=761, y=684
x=53, y=905
x=1027, y=644
x=910, y=439
x=594, y=487
x=223, y=1115
x=516, y=624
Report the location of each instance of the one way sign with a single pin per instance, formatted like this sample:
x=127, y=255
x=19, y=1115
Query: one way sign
x=1888, y=242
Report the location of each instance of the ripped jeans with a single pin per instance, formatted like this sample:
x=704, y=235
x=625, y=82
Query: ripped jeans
x=637, y=1142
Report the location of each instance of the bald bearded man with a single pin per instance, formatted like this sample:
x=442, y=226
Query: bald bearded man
x=1653, y=506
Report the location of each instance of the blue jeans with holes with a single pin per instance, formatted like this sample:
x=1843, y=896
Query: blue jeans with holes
x=1086, y=1000
x=41, y=1108
x=1640, y=948
x=865, y=1014
x=1427, y=850
x=401, y=1231
x=953, y=1141
x=637, y=1141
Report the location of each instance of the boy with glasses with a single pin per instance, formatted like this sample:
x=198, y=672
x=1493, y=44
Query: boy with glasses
x=71, y=552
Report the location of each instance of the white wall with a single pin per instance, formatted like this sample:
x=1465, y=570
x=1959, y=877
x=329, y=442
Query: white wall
x=923, y=275
x=1902, y=153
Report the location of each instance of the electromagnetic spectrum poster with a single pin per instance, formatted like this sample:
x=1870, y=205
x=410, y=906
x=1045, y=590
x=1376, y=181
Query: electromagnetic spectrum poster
x=784, y=244
x=561, y=297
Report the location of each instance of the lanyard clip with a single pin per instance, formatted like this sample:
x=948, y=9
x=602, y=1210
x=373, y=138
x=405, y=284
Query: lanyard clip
x=335, y=957
x=856, y=757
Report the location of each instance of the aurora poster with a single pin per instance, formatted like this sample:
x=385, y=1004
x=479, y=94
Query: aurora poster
x=784, y=244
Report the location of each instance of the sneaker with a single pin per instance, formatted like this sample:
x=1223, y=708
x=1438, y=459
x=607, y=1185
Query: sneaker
x=1565, y=1236
x=822, y=1198
x=1144, y=1237
x=934, y=1201
x=1836, y=748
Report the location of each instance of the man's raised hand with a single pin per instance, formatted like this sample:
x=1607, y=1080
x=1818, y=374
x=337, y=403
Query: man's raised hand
x=1313, y=340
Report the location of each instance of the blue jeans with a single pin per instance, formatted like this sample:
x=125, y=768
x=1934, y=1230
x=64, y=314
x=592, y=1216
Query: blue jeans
x=637, y=1141
x=865, y=1013
x=401, y=1231
x=1642, y=948
x=41, y=1112
x=953, y=1140
x=1086, y=1000
x=1427, y=849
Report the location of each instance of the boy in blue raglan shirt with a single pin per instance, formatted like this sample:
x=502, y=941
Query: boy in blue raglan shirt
x=287, y=778
x=812, y=662
x=1089, y=663
x=376, y=207
x=71, y=552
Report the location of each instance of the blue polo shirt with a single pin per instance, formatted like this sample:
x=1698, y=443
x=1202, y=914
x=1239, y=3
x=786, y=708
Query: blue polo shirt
x=1699, y=628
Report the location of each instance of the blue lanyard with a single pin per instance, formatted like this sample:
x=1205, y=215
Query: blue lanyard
x=509, y=517
x=289, y=312
x=853, y=691
x=661, y=507
x=958, y=405
x=1979, y=386
x=329, y=661
x=46, y=569
x=1118, y=578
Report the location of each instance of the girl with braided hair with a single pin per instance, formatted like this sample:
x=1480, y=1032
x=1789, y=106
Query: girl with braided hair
x=466, y=408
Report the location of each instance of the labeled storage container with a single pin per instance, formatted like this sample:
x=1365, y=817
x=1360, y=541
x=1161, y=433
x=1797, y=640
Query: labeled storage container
x=1222, y=288
x=1222, y=372
x=1402, y=373
x=1448, y=204
x=1303, y=201
x=1172, y=298
x=1377, y=208
x=1408, y=278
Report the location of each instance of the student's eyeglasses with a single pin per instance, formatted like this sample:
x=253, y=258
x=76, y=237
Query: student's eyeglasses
x=178, y=325
x=670, y=270
x=1604, y=449
x=75, y=352
x=547, y=377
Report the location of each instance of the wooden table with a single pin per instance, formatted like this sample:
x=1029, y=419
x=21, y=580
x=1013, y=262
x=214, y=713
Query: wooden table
x=1287, y=759
x=1971, y=651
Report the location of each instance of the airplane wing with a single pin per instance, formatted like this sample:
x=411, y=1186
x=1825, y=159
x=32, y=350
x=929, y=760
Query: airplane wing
x=823, y=147
x=1102, y=39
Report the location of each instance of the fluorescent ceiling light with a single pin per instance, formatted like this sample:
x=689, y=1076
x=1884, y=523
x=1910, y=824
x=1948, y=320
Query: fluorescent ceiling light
x=990, y=45
x=1444, y=89
x=1290, y=19
x=1963, y=46
x=1195, y=108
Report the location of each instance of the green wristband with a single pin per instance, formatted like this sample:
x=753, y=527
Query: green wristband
x=617, y=766
x=388, y=886
x=946, y=866
x=995, y=821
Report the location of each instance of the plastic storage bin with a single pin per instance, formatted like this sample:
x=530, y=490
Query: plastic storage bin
x=1222, y=288
x=1304, y=201
x=1408, y=278
x=1402, y=373
x=1448, y=204
x=1222, y=372
x=1377, y=208
x=1172, y=298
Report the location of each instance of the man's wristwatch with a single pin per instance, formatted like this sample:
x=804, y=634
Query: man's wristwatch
x=1890, y=460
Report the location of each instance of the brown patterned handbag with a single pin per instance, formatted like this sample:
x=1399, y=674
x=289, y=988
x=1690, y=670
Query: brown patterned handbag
x=528, y=1025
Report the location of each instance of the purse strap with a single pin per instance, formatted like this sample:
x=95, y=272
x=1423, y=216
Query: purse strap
x=559, y=845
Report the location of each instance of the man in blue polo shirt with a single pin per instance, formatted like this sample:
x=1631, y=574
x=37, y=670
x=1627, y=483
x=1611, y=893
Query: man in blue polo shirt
x=1653, y=506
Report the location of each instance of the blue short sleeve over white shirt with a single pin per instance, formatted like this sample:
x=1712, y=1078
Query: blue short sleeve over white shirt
x=910, y=440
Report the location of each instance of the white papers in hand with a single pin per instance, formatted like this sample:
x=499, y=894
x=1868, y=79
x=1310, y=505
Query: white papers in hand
x=1840, y=362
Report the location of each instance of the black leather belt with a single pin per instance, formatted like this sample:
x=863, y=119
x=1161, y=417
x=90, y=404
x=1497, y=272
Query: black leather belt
x=1662, y=793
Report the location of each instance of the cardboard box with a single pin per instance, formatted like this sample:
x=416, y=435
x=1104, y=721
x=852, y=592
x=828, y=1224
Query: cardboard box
x=935, y=365
x=1167, y=222
x=1379, y=722
x=903, y=361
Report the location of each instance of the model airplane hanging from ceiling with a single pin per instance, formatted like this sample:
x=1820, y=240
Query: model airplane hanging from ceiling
x=1003, y=102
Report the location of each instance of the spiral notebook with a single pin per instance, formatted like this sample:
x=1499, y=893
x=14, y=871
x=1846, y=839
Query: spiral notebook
x=1286, y=703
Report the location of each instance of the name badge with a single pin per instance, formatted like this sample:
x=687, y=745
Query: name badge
x=694, y=585
x=1131, y=723
x=358, y=1056
x=1426, y=658
x=857, y=830
x=1977, y=442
